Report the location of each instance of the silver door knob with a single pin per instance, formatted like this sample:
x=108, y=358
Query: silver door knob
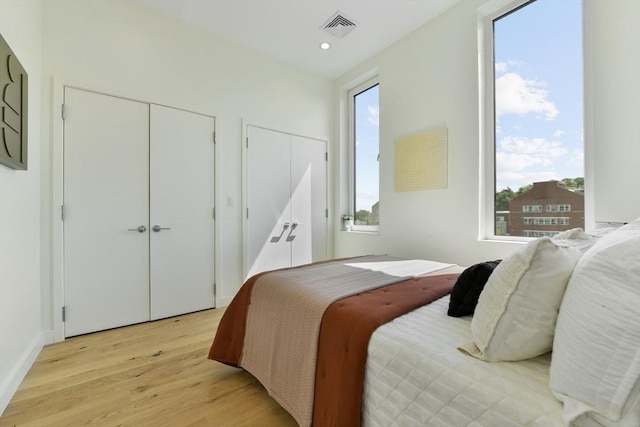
x=286, y=225
x=140, y=229
x=295, y=224
x=157, y=228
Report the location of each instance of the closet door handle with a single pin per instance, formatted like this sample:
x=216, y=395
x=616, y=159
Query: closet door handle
x=139, y=229
x=157, y=228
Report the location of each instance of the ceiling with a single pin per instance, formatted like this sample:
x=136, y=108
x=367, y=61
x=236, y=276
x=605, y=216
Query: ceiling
x=291, y=30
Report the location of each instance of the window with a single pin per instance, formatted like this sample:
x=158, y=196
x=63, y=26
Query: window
x=532, y=208
x=365, y=149
x=559, y=208
x=542, y=220
x=538, y=233
x=532, y=92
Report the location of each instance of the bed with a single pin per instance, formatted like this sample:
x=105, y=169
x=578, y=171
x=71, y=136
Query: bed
x=368, y=340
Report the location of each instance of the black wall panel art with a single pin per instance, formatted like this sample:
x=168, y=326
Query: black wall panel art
x=13, y=109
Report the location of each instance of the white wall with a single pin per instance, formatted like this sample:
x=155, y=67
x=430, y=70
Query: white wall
x=119, y=48
x=431, y=78
x=20, y=321
x=612, y=116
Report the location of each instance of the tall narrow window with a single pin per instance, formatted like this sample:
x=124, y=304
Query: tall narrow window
x=365, y=145
x=537, y=115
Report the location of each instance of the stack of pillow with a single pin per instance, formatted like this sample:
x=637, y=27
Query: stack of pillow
x=578, y=294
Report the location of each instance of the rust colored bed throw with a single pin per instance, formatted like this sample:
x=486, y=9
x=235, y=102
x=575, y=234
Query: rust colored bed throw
x=344, y=338
x=345, y=330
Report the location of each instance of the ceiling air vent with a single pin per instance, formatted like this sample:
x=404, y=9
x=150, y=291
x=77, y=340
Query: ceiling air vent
x=338, y=25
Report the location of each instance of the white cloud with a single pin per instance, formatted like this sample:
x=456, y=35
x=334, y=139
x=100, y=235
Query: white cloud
x=503, y=66
x=516, y=180
x=516, y=162
x=374, y=115
x=576, y=160
x=558, y=133
x=521, y=161
x=537, y=147
x=516, y=95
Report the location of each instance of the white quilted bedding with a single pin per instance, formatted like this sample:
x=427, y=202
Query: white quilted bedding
x=415, y=376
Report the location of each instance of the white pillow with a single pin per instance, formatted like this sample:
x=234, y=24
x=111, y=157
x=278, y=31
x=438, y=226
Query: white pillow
x=577, y=238
x=595, y=366
x=517, y=310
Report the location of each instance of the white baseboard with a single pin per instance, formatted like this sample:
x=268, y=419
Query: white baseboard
x=223, y=301
x=9, y=386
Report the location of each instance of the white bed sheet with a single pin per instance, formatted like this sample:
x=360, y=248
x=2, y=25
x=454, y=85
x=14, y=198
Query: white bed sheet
x=415, y=376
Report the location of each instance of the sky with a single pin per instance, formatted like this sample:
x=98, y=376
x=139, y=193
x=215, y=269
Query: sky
x=539, y=87
x=539, y=102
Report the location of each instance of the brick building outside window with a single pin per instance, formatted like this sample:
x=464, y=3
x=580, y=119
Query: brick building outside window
x=545, y=210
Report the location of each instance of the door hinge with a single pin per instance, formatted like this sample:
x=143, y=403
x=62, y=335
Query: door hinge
x=326, y=156
x=326, y=213
x=214, y=290
x=247, y=213
x=62, y=212
x=64, y=313
x=247, y=142
x=63, y=112
x=214, y=137
x=214, y=213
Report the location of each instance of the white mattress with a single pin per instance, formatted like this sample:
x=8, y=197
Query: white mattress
x=415, y=376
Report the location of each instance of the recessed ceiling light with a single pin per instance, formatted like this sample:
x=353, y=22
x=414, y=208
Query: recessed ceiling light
x=324, y=45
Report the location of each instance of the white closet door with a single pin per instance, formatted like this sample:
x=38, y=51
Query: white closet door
x=308, y=200
x=106, y=181
x=268, y=202
x=182, y=201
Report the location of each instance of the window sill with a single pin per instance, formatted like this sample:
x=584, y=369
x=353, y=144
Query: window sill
x=370, y=232
x=507, y=239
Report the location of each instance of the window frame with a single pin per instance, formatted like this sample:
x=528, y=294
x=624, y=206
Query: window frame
x=351, y=94
x=487, y=14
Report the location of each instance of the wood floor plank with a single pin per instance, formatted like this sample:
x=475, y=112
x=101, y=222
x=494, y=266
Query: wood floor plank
x=151, y=374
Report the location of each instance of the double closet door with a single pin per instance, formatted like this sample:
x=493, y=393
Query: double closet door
x=138, y=212
x=286, y=199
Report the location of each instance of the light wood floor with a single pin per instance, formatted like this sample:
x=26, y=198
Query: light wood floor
x=152, y=374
